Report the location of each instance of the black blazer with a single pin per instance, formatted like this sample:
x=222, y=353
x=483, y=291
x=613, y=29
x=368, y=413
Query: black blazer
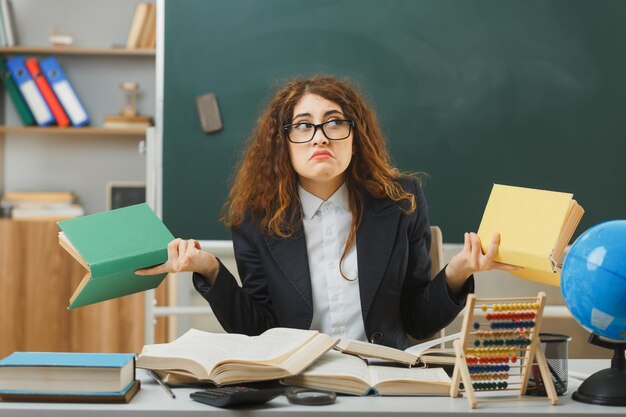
x=397, y=295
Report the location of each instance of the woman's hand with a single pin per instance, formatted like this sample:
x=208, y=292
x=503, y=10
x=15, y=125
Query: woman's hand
x=471, y=260
x=186, y=256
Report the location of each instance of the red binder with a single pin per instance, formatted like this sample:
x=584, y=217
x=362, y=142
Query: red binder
x=46, y=91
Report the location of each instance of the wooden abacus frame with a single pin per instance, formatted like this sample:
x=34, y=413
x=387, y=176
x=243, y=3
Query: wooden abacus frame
x=531, y=351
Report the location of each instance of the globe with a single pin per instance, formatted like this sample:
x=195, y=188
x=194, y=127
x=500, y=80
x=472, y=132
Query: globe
x=593, y=283
x=593, y=280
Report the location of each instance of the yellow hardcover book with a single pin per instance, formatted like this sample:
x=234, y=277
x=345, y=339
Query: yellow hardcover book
x=535, y=227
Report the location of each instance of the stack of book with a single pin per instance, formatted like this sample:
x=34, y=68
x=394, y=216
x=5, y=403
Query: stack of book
x=42, y=93
x=142, y=31
x=68, y=377
x=7, y=31
x=41, y=205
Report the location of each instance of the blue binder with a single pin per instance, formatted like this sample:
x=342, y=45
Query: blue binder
x=30, y=91
x=64, y=91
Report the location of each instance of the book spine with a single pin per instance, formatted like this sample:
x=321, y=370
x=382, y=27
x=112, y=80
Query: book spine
x=29, y=90
x=64, y=91
x=47, y=93
x=3, y=34
x=136, y=26
x=18, y=100
x=131, y=262
x=7, y=17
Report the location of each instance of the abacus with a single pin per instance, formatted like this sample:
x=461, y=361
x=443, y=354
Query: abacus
x=497, y=348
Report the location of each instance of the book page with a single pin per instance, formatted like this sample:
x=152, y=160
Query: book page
x=67, y=245
x=421, y=348
x=334, y=363
x=371, y=350
x=380, y=374
x=567, y=231
x=210, y=349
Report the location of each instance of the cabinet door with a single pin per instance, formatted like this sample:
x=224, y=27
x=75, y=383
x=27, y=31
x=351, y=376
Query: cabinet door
x=37, y=278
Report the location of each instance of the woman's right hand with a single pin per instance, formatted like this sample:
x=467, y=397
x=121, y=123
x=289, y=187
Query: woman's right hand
x=186, y=256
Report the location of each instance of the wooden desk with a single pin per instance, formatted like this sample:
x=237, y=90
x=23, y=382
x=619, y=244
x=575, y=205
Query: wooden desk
x=154, y=402
x=37, y=279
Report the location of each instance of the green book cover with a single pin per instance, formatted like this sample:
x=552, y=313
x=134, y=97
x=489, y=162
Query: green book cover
x=112, y=245
x=20, y=104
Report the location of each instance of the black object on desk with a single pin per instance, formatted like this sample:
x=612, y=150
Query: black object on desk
x=306, y=396
x=605, y=387
x=235, y=396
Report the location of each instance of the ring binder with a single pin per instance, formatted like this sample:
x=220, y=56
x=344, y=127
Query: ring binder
x=64, y=91
x=29, y=90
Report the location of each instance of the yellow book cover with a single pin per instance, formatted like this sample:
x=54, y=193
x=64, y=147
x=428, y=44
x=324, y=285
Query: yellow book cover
x=535, y=227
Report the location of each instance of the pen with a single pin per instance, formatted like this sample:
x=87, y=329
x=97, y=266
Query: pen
x=159, y=381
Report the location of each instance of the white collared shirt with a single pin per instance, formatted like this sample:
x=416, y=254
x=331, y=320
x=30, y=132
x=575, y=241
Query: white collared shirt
x=336, y=301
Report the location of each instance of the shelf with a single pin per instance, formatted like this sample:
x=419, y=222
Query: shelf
x=87, y=131
x=76, y=51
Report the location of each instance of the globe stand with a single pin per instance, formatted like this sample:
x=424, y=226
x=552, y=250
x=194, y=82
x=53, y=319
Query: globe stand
x=608, y=386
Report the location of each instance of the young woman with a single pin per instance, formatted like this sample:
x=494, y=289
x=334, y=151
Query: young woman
x=327, y=234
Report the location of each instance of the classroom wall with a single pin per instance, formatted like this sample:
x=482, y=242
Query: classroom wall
x=519, y=92
x=82, y=164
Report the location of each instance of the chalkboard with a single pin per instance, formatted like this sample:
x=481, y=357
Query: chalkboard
x=520, y=92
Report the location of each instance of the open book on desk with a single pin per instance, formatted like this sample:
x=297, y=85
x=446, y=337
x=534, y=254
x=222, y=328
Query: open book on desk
x=349, y=374
x=535, y=227
x=223, y=358
x=112, y=245
x=423, y=352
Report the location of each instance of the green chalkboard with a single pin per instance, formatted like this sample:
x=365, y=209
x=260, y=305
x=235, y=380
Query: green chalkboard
x=520, y=92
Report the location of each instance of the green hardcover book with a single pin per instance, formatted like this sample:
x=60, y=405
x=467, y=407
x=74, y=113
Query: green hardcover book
x=112, y=245
x=20, y=104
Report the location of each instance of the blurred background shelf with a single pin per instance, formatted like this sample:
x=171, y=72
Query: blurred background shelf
x=87, y=131
x=77, y=51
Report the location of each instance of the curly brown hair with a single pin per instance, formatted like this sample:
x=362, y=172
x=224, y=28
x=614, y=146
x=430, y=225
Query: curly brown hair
x=265, y=184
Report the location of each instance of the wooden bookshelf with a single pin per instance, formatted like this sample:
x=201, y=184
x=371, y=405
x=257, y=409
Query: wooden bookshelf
x=86, y=131
x=51, y=50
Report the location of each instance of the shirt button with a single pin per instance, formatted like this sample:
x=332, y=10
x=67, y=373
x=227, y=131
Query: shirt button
x=335, y=297
x=376, y=337
x=329, y=231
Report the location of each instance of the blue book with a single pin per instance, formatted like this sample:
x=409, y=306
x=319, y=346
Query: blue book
x=30, y=91
x=123, y=396
x=64, y=91
x=67, y=373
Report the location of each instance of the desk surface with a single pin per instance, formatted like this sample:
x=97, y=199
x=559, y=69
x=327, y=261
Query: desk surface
x=152, y=401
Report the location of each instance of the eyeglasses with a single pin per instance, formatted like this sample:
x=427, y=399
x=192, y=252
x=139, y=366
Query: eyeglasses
x=304, y=132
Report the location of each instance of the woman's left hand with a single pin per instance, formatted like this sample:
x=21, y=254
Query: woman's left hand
x=471, y=259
